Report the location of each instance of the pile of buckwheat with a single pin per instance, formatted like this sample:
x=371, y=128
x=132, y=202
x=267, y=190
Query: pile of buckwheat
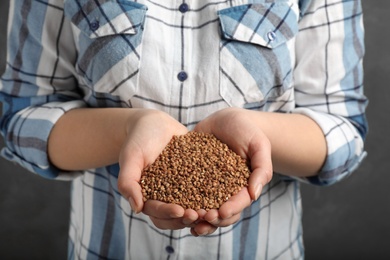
x=195, y=171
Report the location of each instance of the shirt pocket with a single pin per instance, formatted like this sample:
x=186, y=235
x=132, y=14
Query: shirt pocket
x=109, y=41
x=257, y=51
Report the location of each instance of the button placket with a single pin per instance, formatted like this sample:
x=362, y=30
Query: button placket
x=182, y=75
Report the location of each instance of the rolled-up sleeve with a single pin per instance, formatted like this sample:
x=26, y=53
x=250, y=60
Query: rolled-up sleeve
x=329, y=82
x=39, y=84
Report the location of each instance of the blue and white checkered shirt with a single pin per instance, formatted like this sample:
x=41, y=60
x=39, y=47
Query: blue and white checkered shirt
x=189, y=59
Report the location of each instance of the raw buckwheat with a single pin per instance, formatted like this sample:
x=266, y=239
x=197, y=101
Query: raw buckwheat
x=195, y=171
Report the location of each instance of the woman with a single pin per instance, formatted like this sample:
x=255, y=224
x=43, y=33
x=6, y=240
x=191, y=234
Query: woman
x=94, y=90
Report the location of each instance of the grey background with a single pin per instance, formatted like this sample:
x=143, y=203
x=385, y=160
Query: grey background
x=350, y=220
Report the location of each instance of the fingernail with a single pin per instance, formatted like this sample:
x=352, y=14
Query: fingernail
x=193, y=232
x=258, y=189
x=203, y=234
x=214, y=221
x=177, y=214
x=132, y=204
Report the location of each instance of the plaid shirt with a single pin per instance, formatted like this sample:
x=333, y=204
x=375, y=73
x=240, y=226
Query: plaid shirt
x=189, y=59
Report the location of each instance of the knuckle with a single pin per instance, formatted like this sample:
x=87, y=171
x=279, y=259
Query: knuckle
x=269, y=174
x=122, y=187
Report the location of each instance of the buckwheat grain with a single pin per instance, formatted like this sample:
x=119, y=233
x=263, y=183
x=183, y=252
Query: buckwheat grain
x=195, y=171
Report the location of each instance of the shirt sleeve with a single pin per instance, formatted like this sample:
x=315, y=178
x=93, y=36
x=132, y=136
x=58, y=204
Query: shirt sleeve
x=39, y=84
x=329, y=82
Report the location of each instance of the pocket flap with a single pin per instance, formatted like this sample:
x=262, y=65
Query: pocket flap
x=103, y=18
x=268, y=25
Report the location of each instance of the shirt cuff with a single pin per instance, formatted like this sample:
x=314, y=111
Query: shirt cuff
x=27, y=136
x=345, y=147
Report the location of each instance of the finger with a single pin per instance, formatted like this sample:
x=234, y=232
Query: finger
x=201, y=213
x=214, y=219
x=261, y=166
x=171, y=224
x=229, y=221
x=212, y=216
x=203, y=228
x=190, y=217
x=162, y=210
x=129, y=187
x=234, y=205
x=231, y=216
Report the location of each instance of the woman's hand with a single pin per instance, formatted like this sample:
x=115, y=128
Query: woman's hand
x=235, y=128
x=148, y=132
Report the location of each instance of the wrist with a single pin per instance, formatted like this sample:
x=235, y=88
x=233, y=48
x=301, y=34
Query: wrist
x=88, y=138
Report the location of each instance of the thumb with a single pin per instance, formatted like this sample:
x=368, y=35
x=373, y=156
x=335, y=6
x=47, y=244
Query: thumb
x=262, y=170
x=131, y=167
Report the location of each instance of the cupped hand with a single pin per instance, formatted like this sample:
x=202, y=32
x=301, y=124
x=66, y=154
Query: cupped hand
x=148, y=132
x=237, y=128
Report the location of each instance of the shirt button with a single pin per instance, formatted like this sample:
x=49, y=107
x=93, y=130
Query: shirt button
x=271, y=36
x=182, y=76
x=94, y=25
x=170, y=249
x=183, y=7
